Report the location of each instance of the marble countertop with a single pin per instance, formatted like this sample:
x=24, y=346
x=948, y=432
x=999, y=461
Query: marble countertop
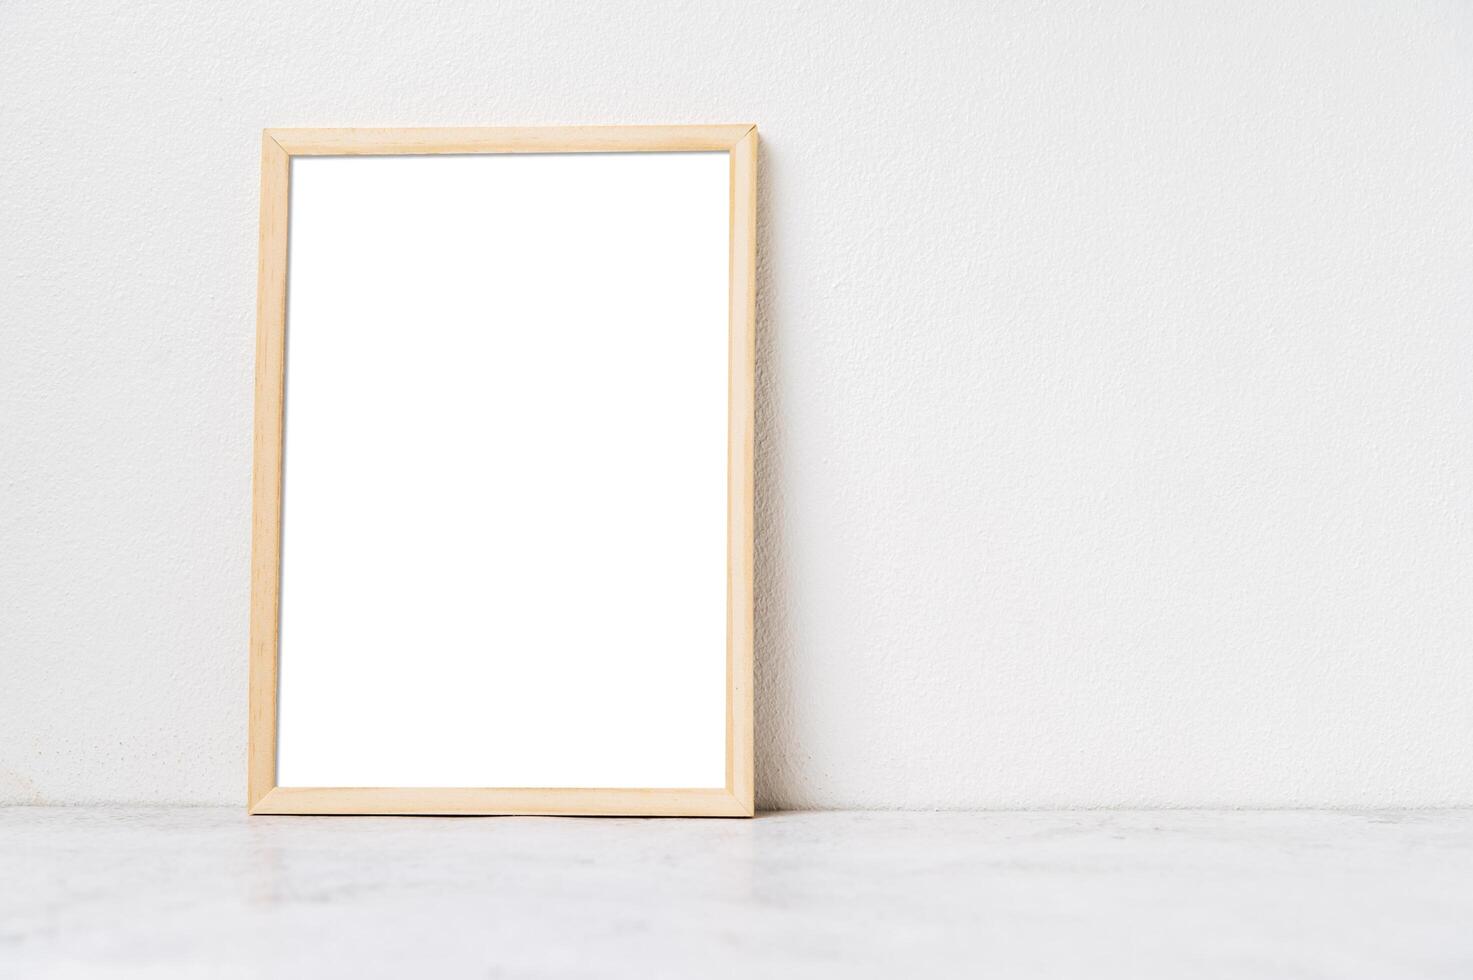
x=199, y=892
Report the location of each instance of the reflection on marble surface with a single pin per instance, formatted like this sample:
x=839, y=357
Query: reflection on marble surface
x=213, y=893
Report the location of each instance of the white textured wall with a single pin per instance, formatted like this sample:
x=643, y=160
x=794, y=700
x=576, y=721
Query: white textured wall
x=1116, y=378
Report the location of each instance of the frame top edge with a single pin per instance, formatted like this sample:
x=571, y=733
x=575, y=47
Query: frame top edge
x=505, y=139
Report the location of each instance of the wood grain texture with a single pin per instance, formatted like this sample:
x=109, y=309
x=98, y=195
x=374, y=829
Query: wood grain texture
x=741, y=465
x=508, y=802
x=266, y=475
x=537, y=139
x=278, y=147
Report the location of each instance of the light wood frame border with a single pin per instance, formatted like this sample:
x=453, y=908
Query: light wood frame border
x=278, y=146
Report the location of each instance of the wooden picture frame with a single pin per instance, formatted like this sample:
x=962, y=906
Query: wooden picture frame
x=279, y=147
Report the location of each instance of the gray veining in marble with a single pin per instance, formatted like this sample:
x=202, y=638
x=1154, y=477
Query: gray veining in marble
x=213, y=893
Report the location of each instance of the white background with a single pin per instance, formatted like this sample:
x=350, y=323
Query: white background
x=505, y=499
x=1114, y=428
